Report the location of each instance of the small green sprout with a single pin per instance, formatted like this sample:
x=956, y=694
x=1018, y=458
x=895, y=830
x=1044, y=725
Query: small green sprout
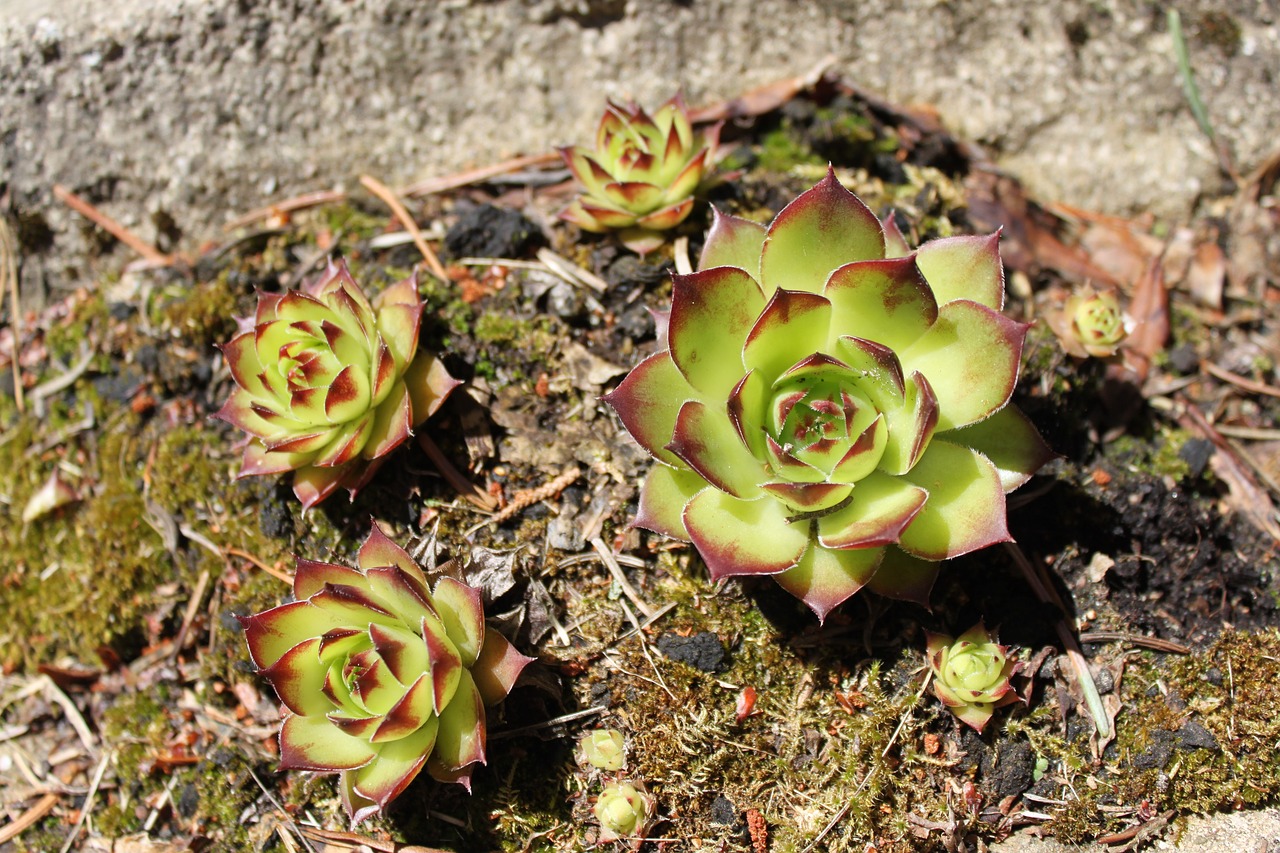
x=623, y=811
x=604, y=749
x=971, y=674
x=640, y=178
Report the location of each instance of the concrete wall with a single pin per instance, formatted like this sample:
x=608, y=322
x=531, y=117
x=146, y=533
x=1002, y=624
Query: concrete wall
x=206, y=109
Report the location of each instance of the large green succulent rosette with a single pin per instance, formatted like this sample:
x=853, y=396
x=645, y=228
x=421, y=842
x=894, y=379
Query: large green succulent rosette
x=831, y=412
x=328, y=382
x=381, y=673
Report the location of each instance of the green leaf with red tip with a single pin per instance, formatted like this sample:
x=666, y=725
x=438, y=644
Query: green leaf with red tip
x=412, y=713
x=314, y=743
x=747, y=403
x=496, y=670
x=274, y=632
x=663, y=496
x=711, y=313
x=1010, y=441
x=886, y=301
x=429, y=385
x=310, y=577
x=576, y=214
x=879, y=509
x=585, y=169
x=446, y=662
x=964, y=268
x=966, y=508
x=792, y=326
x=312, y=485
x=402, y=650
x=667, y=217
x=348, y=396
x=398, y=326
x=904, y=577
x=824, y=578
x=912, y=426
x=298, y=677
x=460, y=739
x=808, y=497
x=686, y=181
x=397, y=764
x=459, y=608
x=732, y=242
x=895, y=244
x=241, y=356
x=648, y=400
x=707, y=441
x=822, y=230
x=971, y=359
x=863, y=454
x=737, y=537
x=606, y=215
x=347, y=443
x=378, y=550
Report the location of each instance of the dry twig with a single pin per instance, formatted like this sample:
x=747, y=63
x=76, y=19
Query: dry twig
x=525, y=498
x=384, y=192
x=9, y=271
x=473, y=176
x=115, y=229
x=461, y=484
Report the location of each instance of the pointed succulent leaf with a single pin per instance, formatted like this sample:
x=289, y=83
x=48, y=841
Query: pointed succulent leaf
x=461, y=738
x=711, y=313
x=732, y=242
x=314, y=743
x=895, y=244
x=707, y=441
x=965, y=510
x=1010, y=441
x=964, y=268
x=792, y=326
x=497, y=668
x=663, y=496
x=886, y=301
x=398, y=763
x=737, y=537
x=879, y=509
x=822, y=230
x=648, y=401
x=459, y=608
x=971, y=358
x=825, y=578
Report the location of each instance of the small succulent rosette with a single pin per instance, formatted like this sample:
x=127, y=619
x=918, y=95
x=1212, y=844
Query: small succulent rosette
x=623, y=810
x=831, y=409
x=605, y=749
x=381, y=673
x=1090, y=323
x=640, y=178
x=328, y=383
x=971, y=674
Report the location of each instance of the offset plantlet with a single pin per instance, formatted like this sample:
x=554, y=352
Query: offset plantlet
x=640, y=178
x=623, y=811
x=328, y=383
x=1090, y=323
x=828, y=415
x=381, y=674
x=971, y=674
x=604, y=748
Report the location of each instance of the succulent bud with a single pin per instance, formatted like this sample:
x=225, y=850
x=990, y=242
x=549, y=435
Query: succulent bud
x=622, y=810
x=328, y=383
x=828, y=415
x=641, y=176
x=1090, y=323
x=971, y=674
x=604, y=748
x=381, y=674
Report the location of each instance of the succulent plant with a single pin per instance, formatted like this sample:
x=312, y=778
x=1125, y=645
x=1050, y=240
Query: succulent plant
x=828, y=415
x=1090, y=323
x=641, y=176
x=381, y=674
x=971, y=674
x=623, y=810
x=604, y=748
x=328, y=383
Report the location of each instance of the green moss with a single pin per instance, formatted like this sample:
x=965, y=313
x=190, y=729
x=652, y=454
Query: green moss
x=784, y=148
x=204, y=314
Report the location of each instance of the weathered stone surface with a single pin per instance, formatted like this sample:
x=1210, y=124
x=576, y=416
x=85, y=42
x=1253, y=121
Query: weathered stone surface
x=203, y=109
